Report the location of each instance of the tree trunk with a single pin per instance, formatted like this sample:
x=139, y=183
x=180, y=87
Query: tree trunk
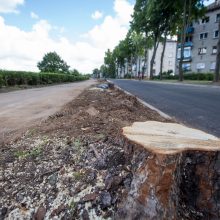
x=139, y=64
x=217, y=66
x=145, y=61
x=162, y=56
x=153, y=58
x=132, y=74
x=172, y=177
x=127, y=67
x=183, y=36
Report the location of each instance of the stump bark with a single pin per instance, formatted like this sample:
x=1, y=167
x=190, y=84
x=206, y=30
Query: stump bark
x=176, y=173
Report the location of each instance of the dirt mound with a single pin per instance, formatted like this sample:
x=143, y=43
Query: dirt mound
x=73, y=165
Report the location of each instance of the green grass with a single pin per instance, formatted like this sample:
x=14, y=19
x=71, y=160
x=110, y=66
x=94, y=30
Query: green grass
x=32, y=153
x=78, y=176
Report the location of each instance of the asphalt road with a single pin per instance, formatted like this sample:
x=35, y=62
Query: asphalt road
x=25, y=108
x=194, y=106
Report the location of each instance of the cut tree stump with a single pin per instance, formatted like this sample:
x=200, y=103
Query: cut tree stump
x=176, y=173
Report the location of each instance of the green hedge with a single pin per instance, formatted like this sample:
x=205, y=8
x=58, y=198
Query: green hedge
x=13, y=78
x=1, y=81
x=190, y=76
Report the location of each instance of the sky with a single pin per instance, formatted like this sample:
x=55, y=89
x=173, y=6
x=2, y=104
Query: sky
x=80, y=31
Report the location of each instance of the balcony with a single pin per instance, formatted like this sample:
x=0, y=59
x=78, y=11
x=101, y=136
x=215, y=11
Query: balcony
x=186, y=44
x=190, y=30
x=186, y=59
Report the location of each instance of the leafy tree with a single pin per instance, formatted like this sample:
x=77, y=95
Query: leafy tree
x=158, y=19
x=139, y=44
x=96, y=73
x=53, y=63
x=121, y=53
x=147, y=19
x=103, y=70
x=75, y=72
x=130, y=49
x=124, y=52
x=140, y=25
x=169, y=23
x=187, y=11
x=110, y=61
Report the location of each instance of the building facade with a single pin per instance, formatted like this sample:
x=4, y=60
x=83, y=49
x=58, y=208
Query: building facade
x=200, y=46
x=169, y=62
x=139, y=66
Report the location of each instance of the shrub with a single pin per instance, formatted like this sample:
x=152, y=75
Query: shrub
x=199, y=76
x=189, y=76
x=127, y=76
x=13, y=78
x=1, y=81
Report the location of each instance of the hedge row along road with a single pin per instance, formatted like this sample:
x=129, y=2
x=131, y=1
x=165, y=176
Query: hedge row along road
x=22, y=109
x=16, y=78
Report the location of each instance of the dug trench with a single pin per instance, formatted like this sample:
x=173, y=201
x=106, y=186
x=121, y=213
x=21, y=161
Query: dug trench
x=79, y=165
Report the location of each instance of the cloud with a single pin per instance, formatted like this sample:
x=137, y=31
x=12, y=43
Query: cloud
x=112, y=29
x=34, y=15
x=97, y=15
x=21, y=50
x=9, y=6
x=123, y=11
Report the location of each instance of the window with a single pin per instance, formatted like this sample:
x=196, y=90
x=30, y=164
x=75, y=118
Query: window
x=217, y=17
x=186, y=66
x=170, y=63
x=212, y=67
x=202, y=50
x=200, y=66
x=205, y=20
x=187, y=53
x=216, y=34
x=214, y=49
x=188, y=39
x=203, y=36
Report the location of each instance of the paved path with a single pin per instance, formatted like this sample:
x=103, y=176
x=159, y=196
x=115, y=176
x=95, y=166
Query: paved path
x=195, y=106
x=25, y=108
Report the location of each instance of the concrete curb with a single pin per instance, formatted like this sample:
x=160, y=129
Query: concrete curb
x=144, y=103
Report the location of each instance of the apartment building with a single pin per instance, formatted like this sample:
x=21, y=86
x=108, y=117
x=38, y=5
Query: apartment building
x=201, y=42
x=169, y=62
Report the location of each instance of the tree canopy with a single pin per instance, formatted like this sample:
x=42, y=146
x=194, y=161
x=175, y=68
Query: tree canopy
x=152, y=22
x=53, y=63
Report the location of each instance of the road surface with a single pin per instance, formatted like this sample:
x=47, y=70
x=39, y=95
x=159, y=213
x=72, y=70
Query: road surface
x=24, y=108
x=195, y=106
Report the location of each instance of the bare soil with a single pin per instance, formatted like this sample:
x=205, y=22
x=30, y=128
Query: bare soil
x=21, y=109
x=73, y=165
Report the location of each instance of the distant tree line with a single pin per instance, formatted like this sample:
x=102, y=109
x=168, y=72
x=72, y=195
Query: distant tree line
x=53, y=69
